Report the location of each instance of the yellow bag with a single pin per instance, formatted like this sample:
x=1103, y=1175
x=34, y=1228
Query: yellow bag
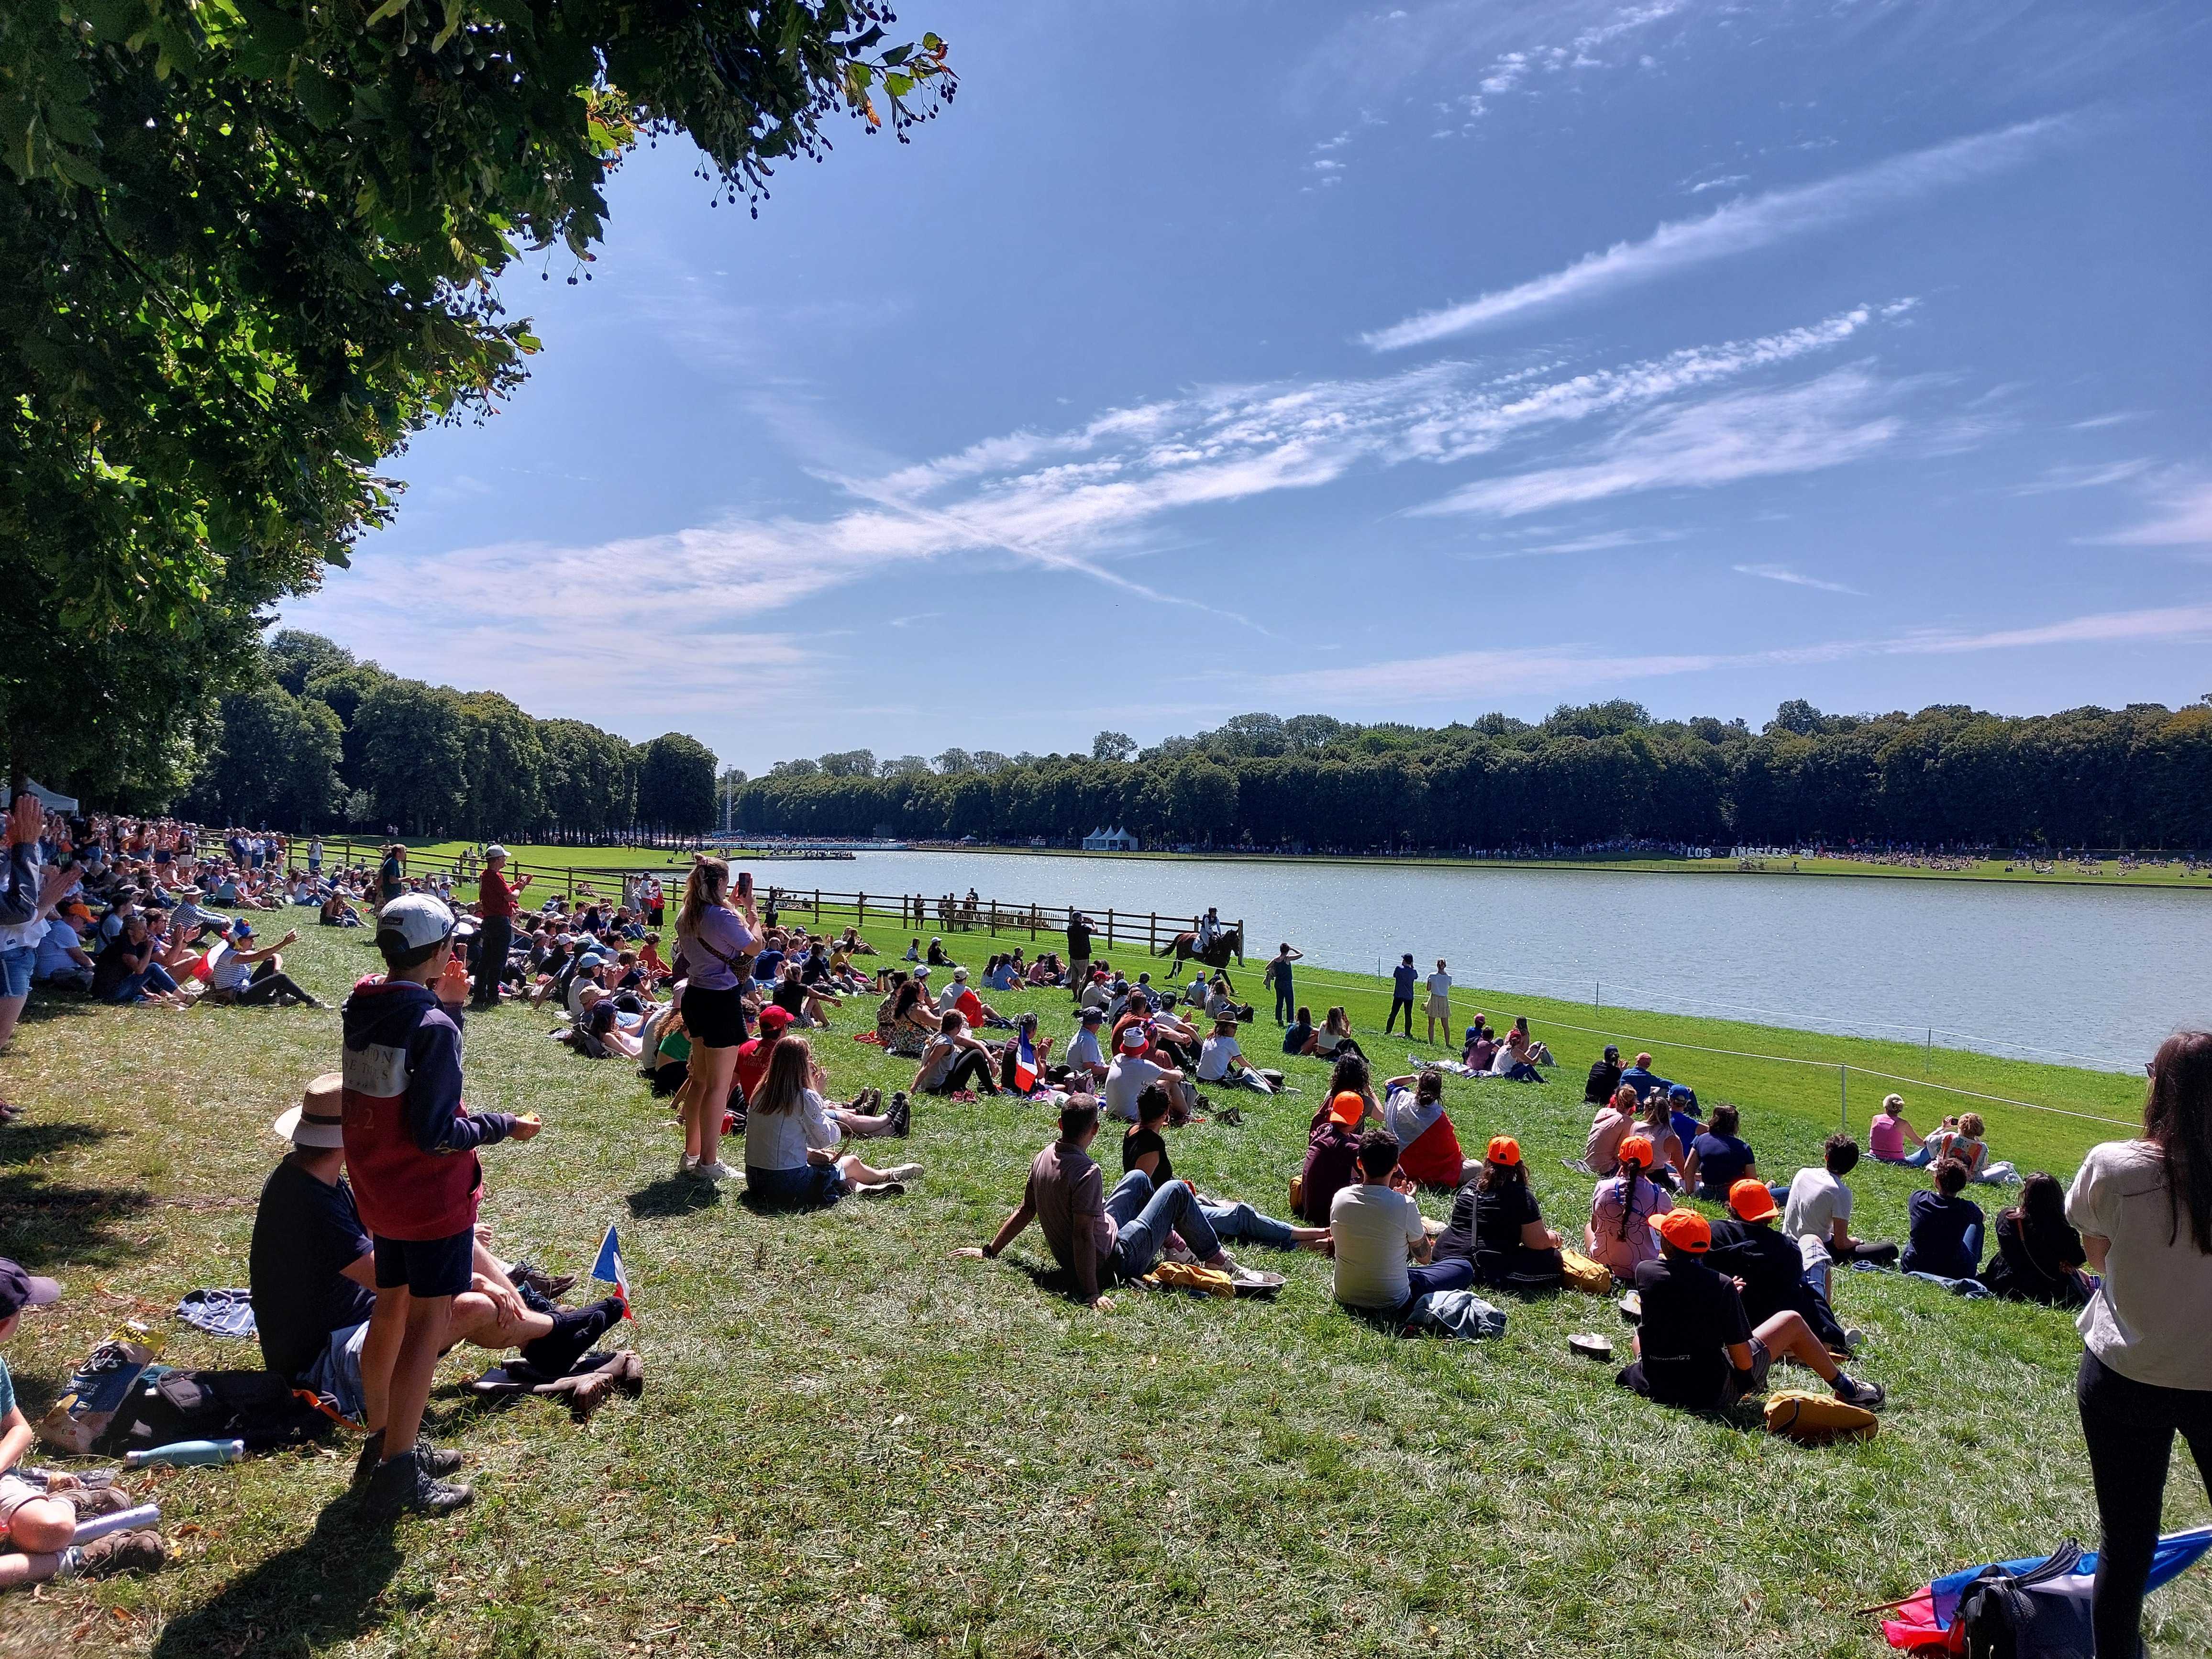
x=1592, y=1278
x=1816, y=1419
x=1188, y=1276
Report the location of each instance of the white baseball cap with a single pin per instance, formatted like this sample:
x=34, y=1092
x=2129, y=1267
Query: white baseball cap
x=495, y=851
x=419, y=919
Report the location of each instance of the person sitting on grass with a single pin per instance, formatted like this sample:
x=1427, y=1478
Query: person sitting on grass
x=602, y=1021
x=1614, y=1122
x=411, y=1146
x=2039, y=1257
x=1513, y=1061
x=1132, y=1070
x=911, y=1020
x=125, y=971
x=1334, y=1037
x=1819, y=1208
x=1888, y=1132
x=1946, y=1240
x=1971, y=1150
x=1144, y=1146
x=1332, y=1160
x=1695, y=1345
x=1413, y=1112
x=312, y=1268
x=1604, y=1077
x=792, y=1161
x=1767, y=1267
x=1086, y=1064
x=801, y=1002
x=248, y=977
x=1298, y=1035
x=1380, y=1244
x=1222, y=1060
x=1496, y=1226
x=1656, y=1124
x=1641, y=1077
x=977, y=1013
x=937, y=957
x=38, y=1526
x=954, y=1059
x=1617, y=1235
x=1719, y=1157
x=1097, y=1237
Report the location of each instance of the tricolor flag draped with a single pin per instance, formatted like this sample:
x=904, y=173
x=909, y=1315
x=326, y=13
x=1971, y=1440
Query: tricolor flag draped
x=608, y=1269
x=1025, y=1062
x=1929, y=1620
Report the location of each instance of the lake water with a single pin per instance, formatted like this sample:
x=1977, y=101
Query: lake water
x=2076, y=975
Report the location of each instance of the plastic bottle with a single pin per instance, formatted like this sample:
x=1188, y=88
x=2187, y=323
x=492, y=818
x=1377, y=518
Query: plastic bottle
x=188, y=1451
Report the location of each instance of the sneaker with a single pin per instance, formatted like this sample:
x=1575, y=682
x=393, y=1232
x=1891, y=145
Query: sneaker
x=904, y=1172
x=901, y=1113
x=402, y=1483
x=1852, y=1392
x=880, y=1189
x=688, y=1164
x=1854, y=1338
x=716, y=1170
x=438, y=1460
x=121, y=1552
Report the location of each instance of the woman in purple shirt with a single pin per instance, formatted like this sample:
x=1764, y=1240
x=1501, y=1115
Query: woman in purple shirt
x=717, y=937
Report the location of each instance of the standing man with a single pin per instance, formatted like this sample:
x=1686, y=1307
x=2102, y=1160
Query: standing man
x=496, y=904
x=391, y=874
x=1278, y=975
x=315, y=855
x=1439, y=1002
x=1403, y=978
x=1078, y=953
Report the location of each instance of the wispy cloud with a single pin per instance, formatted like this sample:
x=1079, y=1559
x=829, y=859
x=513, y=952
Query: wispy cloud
x=2086, y=475
x=1726, y=181
x=1604, y=541
x=1782, y=572
x=1577, y=668
x=2181, y=516
x=1735, y=228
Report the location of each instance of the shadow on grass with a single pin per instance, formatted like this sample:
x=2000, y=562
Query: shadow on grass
x=320, y=1592
x=28, y=1143
x=41, y=1224
x=673, y=1196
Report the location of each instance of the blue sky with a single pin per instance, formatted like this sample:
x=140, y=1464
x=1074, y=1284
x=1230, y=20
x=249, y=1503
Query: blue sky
x=1400, y=363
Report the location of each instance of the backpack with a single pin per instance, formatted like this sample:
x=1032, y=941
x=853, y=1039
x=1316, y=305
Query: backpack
x=1592, y=1278
x=1816, y=1419
x=260, y=1407
x=2041, y=1614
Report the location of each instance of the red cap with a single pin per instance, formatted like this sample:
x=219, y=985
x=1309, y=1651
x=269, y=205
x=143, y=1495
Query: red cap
x=1685, y=1229
x=775, y=1017
x=1503, y=1149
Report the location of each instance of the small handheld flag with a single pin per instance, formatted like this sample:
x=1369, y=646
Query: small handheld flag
x=1025, y=1063
x=608, y=1269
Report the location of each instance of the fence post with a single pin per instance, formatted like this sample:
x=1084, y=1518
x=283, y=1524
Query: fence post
x=1152, y=935
x=1928, y=1055
x=818, y=907
x=1843, y=1099
x=860, y=915
x=1110, y=927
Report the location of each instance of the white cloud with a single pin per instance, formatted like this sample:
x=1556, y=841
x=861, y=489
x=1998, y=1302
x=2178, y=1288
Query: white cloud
x=2181, y=517
x=1602, y=541
x=1782, y=572
x=1722, y=183
x=1735, y=228
x=2088, y=476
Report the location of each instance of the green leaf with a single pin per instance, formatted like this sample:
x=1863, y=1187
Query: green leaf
x=389, y=8
x=898, y=85
x=320, y=99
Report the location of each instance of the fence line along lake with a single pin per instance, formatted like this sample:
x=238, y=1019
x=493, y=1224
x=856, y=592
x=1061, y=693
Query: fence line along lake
x=2066, y=973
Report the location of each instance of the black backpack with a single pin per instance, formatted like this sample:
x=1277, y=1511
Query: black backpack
x=2041, y=1614
x=260, y=1407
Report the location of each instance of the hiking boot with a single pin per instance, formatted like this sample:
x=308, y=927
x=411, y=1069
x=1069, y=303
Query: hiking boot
x=436, y=1459
x=901, y=1114
x=551, y=1286
x=121, y=1552
x=402, y=1483
x=1852, y=1392
x=88, y=1501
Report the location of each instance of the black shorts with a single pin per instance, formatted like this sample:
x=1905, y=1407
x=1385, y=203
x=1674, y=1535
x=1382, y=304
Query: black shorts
x=427, y=1266
x=716, y=1019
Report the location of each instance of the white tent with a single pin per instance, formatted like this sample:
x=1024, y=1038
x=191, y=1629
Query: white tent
x=48, y=800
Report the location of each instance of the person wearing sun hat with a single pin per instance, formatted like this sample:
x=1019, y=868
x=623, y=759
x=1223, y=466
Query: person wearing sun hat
x=1696, y=1347
x=1497, y=1225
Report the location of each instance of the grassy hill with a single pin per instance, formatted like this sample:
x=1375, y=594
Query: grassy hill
x=851, y=1442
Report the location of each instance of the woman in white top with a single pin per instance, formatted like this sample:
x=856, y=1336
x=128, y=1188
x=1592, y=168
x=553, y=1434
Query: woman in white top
x=2144, y=1210
x=792, y=1161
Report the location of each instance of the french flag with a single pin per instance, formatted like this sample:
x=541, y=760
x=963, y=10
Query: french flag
x=608, y=1269
x=1025, y=1064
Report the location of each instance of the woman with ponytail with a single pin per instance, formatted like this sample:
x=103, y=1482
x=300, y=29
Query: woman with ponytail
x=717, y=938
x=1619, y=1233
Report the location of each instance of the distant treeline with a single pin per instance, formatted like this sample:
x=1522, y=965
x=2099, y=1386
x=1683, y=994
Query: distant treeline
x=2137, y=777
x=319, y=739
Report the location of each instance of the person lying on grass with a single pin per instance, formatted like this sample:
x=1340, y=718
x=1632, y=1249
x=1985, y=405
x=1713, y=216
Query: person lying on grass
x=1145, y=1147
x=38, y=1525
x=312, y=1273
x=1374, y=1230
x=411, y=1146
x=1414, y=1111
x=792, y=1161
x=1696, y=1347
x=1097, y=1236
x=1819, y=1207
x=1496, y=1226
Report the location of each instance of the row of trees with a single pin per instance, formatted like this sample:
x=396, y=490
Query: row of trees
x=319, y=739
x=2139, y=777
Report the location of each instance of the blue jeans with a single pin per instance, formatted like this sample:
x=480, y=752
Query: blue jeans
x=1241, y=1221
x=1145, y=1218
x=1286, y=1001
x=15, y=964
x=1454, y=1273
x=134, y=988
x=1918, y=1159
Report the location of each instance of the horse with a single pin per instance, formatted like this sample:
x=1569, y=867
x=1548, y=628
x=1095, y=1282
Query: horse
x=1184, y=947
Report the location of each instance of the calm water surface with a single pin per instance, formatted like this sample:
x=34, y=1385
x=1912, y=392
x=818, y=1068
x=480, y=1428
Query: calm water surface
x=2097, y=977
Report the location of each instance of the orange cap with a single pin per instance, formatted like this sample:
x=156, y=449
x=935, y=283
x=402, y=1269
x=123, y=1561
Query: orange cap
x=1685, y=1229
x=1503, y=1149
x=1635, y=1149
x=1347, y=1109
x=1751, y=1200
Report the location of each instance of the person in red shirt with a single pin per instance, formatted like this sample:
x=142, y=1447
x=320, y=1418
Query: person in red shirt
x=753, y=1056
x=496, y=904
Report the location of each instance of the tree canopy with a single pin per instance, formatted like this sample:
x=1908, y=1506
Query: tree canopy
x=252, y=247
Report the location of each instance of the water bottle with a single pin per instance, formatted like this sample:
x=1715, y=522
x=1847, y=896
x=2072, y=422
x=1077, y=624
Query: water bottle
x=183, y=1452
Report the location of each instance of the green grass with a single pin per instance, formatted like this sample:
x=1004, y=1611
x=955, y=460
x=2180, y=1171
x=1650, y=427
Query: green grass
x=850, y=1442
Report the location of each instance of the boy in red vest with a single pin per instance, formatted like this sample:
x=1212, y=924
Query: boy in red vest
x=410, y=1145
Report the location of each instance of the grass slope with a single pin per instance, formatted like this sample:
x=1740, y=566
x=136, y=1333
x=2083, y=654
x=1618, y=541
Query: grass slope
x=851, y=1443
